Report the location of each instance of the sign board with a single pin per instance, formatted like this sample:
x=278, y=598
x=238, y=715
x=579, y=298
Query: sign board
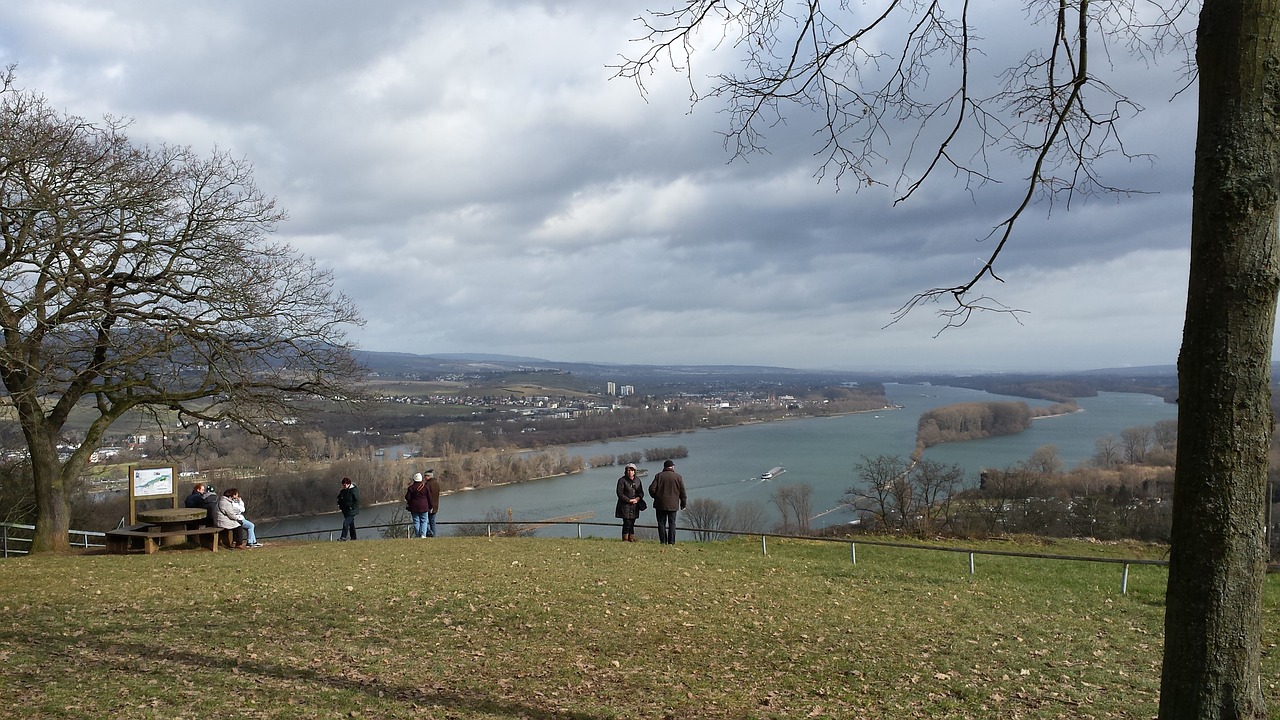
x=151, y=482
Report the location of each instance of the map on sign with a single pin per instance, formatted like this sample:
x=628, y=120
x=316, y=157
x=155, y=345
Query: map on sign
x=152, y=481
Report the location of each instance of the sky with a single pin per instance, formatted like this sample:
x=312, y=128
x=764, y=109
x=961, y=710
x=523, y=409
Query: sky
x=478, y=181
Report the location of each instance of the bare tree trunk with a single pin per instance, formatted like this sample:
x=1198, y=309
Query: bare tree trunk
x=1213, y=620
x=53, y=505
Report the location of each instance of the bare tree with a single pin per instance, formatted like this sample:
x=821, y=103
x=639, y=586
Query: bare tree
x=902, y=497
x=1106, y=451
x=1058, y=113
x=1046, y=460
x=794, y=504
x=878, y=475
x=936, y=485
x=748, y=516
x=708, y=518
x=138, y=278
x=1135, y=441
x=1165, y=434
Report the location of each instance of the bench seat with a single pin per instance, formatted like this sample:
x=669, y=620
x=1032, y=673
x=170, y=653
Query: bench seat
x=125, y=539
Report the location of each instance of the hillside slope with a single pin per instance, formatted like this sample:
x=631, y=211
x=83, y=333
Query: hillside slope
x=542, y=628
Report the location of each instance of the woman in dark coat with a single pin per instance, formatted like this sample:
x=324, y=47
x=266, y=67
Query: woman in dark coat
x=630, y=502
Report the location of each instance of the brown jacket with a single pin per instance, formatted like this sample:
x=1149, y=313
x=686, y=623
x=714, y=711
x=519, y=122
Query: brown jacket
x=433, y=490
x=667, y=490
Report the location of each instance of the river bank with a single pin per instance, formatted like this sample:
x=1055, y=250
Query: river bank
x=725, y=464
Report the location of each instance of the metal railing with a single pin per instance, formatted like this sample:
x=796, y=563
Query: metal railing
x=9, y=538
x=15, y=539
x=700, y=534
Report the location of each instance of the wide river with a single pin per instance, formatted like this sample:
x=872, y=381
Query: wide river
x=725, y=464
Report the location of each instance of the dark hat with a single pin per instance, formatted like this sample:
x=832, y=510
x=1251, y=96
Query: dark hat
x=669, y=463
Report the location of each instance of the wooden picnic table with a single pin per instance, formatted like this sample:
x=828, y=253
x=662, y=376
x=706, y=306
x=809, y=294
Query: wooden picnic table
x=172, y=520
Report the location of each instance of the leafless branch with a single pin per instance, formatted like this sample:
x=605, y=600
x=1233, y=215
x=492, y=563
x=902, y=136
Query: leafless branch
x=1052, y=109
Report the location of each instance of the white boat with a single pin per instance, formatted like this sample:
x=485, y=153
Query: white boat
x=771, y=474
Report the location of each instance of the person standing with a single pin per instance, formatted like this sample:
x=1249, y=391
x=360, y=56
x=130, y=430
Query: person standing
x=667, y=491
x=418, y=503
x=349, y=504
x=433, y=494
x=630, y=502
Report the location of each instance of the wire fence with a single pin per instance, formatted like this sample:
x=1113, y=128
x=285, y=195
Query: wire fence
x=15, y=539
x=494, y=529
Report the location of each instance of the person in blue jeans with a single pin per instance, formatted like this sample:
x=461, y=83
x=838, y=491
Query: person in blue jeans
x=230, y=515
x=433, y=497
x=418, y=502
x=349, y=504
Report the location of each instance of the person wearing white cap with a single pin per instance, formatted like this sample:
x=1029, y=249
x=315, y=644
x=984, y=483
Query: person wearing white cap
x=418, y=502
x=630, y=502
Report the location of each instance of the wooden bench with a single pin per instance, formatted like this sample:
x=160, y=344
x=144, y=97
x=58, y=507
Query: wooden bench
x=125, y=539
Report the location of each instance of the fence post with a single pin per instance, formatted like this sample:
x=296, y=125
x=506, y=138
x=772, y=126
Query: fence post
x=4, y=532
x=1124, y=581
x=970, y=563
x=853, y=553
x=579, y=531
x=764, y=547
x=488, y=530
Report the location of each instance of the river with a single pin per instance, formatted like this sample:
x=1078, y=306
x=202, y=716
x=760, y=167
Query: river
x=725, y=464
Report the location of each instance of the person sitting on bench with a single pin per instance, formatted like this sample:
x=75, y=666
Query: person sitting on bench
x=231, y=516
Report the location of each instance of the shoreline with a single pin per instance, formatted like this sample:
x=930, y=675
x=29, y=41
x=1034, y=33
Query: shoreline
x=567, y=448
x=1057, y=415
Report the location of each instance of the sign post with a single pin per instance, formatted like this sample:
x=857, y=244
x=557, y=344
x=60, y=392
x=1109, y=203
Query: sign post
x=151, y=483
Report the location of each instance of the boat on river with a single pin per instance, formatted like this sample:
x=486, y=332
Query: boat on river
x=771, y=474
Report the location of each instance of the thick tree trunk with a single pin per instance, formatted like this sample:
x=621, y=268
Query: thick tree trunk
x=1213, y=620
x=53, y=503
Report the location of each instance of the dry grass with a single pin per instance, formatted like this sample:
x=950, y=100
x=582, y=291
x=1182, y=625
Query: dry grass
x=564, y=628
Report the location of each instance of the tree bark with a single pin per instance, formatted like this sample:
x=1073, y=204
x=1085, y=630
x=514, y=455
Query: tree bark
x=1213, y=618
x=53, y=504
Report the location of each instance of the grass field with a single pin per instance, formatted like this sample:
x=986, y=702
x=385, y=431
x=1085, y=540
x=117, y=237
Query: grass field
x=582, y=629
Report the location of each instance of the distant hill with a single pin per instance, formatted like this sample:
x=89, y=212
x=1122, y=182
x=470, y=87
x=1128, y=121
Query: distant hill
x=1160, y=380
x=378, y=361
x=395, y=363
x=487, y=357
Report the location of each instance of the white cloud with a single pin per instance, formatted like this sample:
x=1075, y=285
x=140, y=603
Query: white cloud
x=478, y=183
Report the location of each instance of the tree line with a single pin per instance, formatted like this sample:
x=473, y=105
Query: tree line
x=646, y=455
x=972, y=421
x=1124, y=491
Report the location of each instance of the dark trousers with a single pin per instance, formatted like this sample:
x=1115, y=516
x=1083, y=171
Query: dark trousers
x=666, y=526
x=348, y=527
x=628, y=526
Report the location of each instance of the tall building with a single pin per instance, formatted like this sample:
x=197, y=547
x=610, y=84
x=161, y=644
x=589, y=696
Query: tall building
x=611, y=388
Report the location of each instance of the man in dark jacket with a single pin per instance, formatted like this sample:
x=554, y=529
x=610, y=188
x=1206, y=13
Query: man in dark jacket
x=202, y=497
x=433, y=492
x=667, y=491
x=349, y=504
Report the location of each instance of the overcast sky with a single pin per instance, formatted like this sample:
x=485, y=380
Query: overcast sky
x=477, y=182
